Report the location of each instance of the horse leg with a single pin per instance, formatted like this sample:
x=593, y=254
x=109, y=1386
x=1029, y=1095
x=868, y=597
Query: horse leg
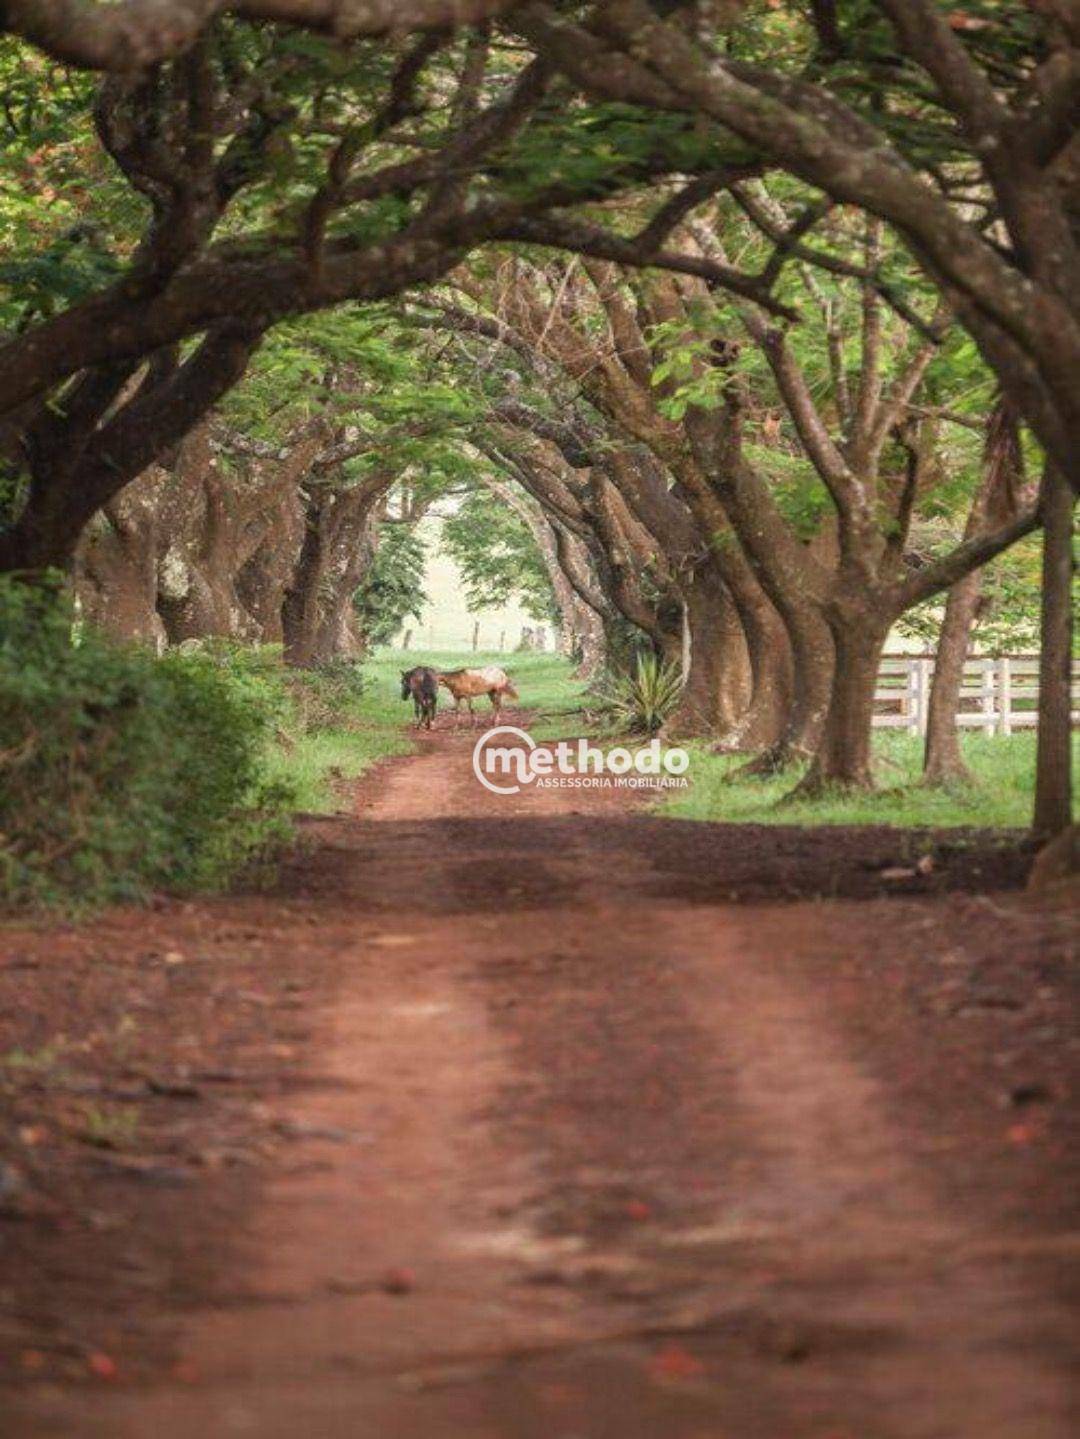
x=472, y=713
x=496, y=704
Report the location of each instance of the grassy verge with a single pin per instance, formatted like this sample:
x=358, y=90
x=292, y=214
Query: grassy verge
x=1001, y=797
x=314, y=763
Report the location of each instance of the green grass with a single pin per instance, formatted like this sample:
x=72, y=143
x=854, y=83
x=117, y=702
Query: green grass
x=315, y=764
x=1001, y=797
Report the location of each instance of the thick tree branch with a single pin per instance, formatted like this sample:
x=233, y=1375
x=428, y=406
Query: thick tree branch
x=569, y=233
x=965, y=558
x=137, y=34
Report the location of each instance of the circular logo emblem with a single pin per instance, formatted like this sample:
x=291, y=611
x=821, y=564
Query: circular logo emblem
x=503, y=759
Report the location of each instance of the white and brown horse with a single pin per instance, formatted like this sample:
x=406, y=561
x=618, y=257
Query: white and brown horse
x=468, y=685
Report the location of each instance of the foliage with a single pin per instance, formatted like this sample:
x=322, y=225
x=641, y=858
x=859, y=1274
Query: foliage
x=347, y=718
x=498, y=557
x=123, y=772
x=325, y=697
x=296, y=701
x=640, y=702
x=1007, y=620
x=392, y=590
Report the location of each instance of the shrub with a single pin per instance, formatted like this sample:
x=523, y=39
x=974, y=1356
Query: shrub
x=120, y=772
x=640, y=702
x=299, y=701
x=326, y=697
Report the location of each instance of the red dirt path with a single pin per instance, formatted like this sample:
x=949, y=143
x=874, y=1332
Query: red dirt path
x=506, y=1123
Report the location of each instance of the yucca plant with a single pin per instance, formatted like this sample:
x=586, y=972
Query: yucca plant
x=640, y=702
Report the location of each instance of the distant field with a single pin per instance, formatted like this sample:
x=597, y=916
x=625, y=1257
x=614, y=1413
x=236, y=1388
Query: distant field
x=446, y=624
x=544, y=682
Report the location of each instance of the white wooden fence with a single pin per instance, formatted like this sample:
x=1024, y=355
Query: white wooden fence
x=998, y=695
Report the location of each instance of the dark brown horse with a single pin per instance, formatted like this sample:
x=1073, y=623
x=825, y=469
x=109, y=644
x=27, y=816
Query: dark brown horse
x=422, y=684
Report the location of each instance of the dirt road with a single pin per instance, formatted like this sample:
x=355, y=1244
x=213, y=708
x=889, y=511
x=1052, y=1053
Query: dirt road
x=585, y=1152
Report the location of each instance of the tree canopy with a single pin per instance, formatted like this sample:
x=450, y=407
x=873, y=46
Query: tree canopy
x=701, y=313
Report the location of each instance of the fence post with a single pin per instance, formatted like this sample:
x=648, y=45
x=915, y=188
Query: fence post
x=1004, y=695
x=986, y=701
x=909, y=703
x=926, y=669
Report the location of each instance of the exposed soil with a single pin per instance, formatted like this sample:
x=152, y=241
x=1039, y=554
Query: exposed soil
x=541, y=1117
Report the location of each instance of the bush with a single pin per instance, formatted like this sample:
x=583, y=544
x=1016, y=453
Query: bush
x=327, y=697
x=121, y=772
x=298, y=701
x=640, y=702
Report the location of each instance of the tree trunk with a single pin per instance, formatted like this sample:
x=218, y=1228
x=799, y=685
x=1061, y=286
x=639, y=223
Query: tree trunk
x=299, y=606
x=317, y=615
x=812, y=663
x=85, y=466
x=717, y=684
x=267, y=570
x=263, y=579
x=1053, y=765
x=994, y=503
x=196, y=566
x=842, y=759
x=28, y=551
x=590, y=643
x=581, y=629
x=625, y=551
x=761, y=723
x=943, y=763
x=115, y=570
x=1057, y=866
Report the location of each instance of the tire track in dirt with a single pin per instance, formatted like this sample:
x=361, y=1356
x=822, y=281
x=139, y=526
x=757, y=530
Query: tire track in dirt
x=591, y=1165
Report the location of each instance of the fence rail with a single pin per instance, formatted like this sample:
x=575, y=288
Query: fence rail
x=998, y=695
